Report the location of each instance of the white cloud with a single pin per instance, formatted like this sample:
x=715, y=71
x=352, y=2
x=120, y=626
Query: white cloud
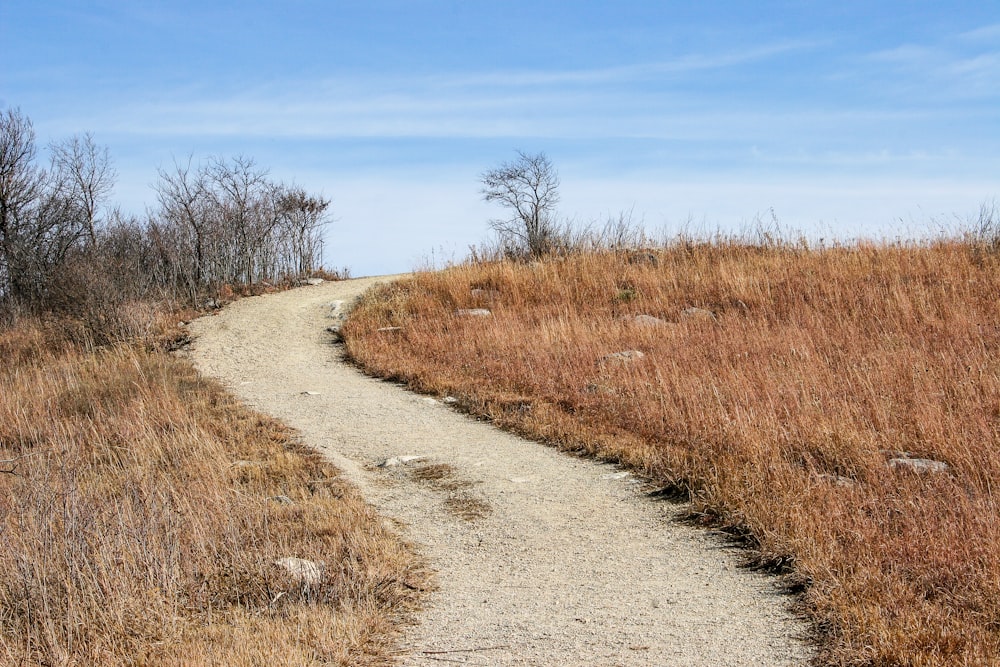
x=987, y=33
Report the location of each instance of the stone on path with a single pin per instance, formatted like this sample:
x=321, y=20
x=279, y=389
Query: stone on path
x=399, y=461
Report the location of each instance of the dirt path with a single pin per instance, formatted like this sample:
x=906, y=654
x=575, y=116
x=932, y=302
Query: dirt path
x=542, y=558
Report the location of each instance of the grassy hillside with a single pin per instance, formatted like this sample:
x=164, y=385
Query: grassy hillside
x=143, y=511
x=785, y=391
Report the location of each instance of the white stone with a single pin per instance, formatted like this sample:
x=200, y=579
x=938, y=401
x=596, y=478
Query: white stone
x=919, y=465
x=624, y=356
x=306, y=571
x=697, y=314
x=399, y=461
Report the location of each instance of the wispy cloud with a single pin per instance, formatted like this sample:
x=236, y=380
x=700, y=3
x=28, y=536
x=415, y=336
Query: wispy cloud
x=985, y=33
x=681, y=65
x=955, y=68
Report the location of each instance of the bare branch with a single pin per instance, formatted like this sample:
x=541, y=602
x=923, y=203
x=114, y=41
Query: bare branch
x=529, y=186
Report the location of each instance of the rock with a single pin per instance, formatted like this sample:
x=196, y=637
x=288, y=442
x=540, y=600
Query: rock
x=388, y=329
x=837, y=480
x=211, y=304
x=645, y=321
x=473, y=312
x=282, y=500
x=617, y=475
x=625, y=356
x=399, y=461
x=918, y=465
x=337, y=311
x=309, y=393
x=312, y=281
x=306, y=571
x=449, y=400
x=698, y=314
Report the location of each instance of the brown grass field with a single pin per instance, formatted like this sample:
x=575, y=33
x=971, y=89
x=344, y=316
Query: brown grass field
x=140, y=523
x=777, y=416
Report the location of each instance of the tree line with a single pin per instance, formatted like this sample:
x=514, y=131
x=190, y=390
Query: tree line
x=64, y=247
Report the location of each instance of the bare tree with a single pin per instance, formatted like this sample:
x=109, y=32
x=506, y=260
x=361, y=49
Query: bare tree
x=41, y=219
x=85, y=173
x=233, y=225
x=529, y=187
x=302, y=217
x=241, y=196
x=181, y=193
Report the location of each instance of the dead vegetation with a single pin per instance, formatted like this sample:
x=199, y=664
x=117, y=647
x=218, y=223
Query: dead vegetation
x=144, y=512
x=774, y=387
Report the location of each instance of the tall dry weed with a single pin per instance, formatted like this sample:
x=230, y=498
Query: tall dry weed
x=778, y=413
x=142, y=513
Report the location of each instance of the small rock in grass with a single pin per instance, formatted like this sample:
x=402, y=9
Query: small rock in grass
x=625, y=356
x=282, y=500
x=473, y=312
x=399, y=461
x=698, y=314
x=306, y=571
x=838, y=480
x=449, y=400
x=388, y=329
x=918, y=465
x=645, y=321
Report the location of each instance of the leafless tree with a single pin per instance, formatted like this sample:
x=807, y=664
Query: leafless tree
x=234, y=224
x=529, y=187
x=303, y=217
x=243, y=200
x=85, y=175
x=40, y=218
x=183, y=228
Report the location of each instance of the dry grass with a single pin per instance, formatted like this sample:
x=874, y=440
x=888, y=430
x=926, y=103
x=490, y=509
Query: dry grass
x=777, y=418
x=141, y=520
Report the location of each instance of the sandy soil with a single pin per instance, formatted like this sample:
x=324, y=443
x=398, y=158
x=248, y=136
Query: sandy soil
x=542, y=558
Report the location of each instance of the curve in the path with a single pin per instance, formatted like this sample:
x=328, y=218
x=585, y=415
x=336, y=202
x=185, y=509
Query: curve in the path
x=542, y=558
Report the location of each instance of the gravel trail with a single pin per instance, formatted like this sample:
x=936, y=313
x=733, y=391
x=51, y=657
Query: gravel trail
x=542, y=558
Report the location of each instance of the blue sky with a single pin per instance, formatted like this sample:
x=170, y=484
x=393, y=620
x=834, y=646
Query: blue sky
x=845, y=119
